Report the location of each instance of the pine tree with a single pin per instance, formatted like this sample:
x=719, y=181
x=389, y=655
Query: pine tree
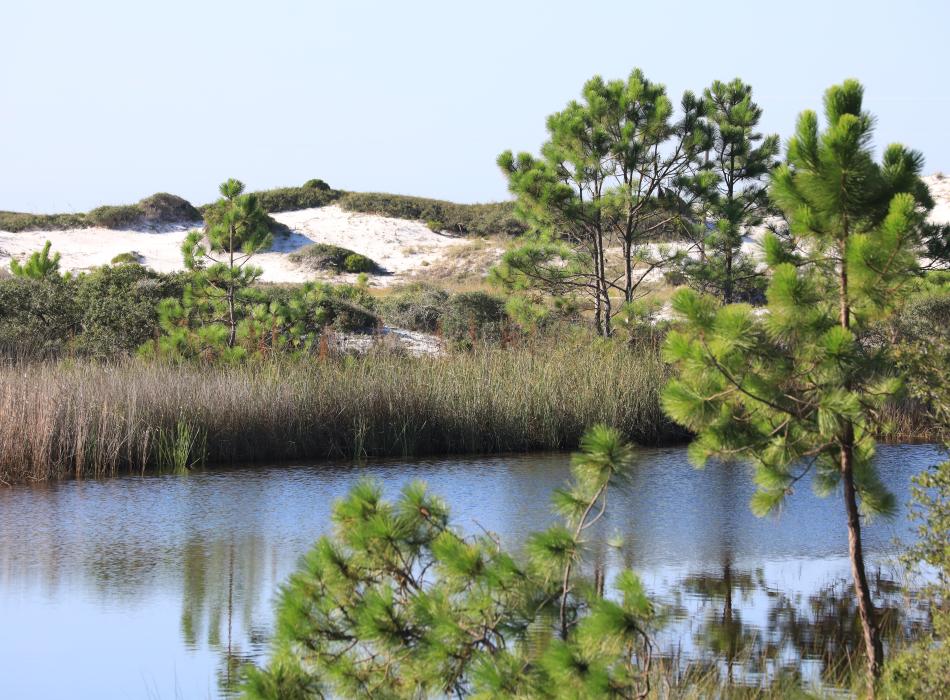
x=732, y=195
x=613, y=172
x=802, y=387
x=39, y=265
x=205, y=321
x=398, y=604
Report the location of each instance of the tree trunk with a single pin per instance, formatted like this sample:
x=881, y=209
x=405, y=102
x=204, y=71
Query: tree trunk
x=628, y=263
x=873, y=648
x=872, y=637
x=232, y=325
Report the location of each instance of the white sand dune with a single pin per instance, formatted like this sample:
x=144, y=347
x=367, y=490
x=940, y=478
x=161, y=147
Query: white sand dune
x=400, y=247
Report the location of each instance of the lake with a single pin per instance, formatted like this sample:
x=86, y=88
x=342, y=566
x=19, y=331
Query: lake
x=161, y=586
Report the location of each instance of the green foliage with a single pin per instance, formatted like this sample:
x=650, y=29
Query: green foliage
x=37, y=316
x=615, y=172
x=473, y=316
x=467, y=219
x=435, y=226
x=316, y=184
x=181, y=448
x=15, y=222
x=105, y=313
x=732, y=194
x=922, y=670
x=38, y=266
x=160, y=208
x=397, y=603
x=325, y=256
x=295, y=198
x=418, y=307
x=217, y=300
x=129, y=258
x=118, y=308
x=801, y=388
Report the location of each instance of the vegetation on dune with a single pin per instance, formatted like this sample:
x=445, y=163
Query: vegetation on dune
x=159, y=209
x=15, y=221
x=464, y=219
x=332, y=258
x=96, y=419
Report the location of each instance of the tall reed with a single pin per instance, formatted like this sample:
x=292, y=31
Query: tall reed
x=86, y=419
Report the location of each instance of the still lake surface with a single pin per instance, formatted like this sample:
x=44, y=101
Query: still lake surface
x=160, y=586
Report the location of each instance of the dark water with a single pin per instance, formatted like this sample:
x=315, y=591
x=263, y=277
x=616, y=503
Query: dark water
x=158, y=587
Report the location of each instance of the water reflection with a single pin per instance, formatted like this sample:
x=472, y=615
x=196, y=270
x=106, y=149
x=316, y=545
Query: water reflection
x=163, y=586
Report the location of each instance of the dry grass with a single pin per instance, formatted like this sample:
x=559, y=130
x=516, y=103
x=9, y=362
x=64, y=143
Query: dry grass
x=83, y=419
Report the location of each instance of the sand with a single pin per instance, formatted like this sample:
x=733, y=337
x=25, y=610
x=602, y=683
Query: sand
x=401, y=248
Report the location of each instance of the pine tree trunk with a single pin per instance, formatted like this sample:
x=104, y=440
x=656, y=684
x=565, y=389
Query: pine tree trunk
x=628, y=263
x=873, y=648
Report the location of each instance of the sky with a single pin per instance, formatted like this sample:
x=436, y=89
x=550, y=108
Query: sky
x=108, y=101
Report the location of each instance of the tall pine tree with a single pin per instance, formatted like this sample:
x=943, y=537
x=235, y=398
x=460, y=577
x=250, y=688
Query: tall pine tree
x=801, y=388
x=612, y=176
x=733, y=196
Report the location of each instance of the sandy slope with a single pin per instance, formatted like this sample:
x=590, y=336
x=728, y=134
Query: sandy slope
x=400, y=247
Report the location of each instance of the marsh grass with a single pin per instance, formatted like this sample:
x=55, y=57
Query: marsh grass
x=71, y=418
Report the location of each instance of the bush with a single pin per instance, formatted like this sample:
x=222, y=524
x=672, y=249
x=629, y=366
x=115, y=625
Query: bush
x=106, y=313
x=418, y=307
x=472, y=316
x=354, y=262
x=118, y=307
x=294, y=198
x=122, y=216
x=129, y=258
x=324, y=256
x=164, y=208
x=14, y=221
x=474, y=219
x=316, y=184
x=435, y=226
x=37, y=316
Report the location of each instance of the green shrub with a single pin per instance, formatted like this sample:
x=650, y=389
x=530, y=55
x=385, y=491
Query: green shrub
x=349, y=316
x=118, y=308
x=129, y=258
x=474, y=219
x=435, y=226
x=472, y=316
x=15, y=222
x=106, y=313
x=316, y=184
x=418, y=307
x=38, y=316
x=164, y=208
x=333, y=258
x=122, y=216
x=354, y=262
x=294, y=198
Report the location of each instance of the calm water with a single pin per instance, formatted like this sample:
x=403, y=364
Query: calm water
x=158, y=587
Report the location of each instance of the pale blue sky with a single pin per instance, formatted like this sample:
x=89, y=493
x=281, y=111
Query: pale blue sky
x=109, y=101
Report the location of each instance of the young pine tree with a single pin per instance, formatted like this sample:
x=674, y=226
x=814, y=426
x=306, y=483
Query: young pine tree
x=398, y=604
x=801, y=388
x=733, y=195
x=39, y=265
x=205, y=321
